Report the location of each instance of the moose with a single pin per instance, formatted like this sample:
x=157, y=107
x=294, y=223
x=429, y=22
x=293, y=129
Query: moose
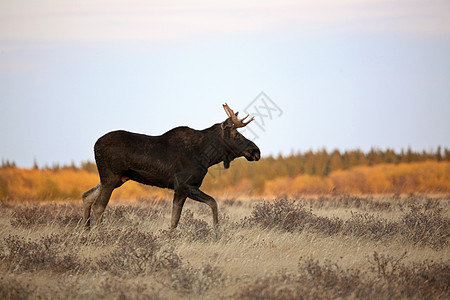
x=178, y=159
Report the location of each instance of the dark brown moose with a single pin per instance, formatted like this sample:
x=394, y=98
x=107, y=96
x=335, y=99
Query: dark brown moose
x=179, y=160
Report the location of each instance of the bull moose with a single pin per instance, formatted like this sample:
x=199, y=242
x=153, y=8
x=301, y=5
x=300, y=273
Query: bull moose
x=178, y=159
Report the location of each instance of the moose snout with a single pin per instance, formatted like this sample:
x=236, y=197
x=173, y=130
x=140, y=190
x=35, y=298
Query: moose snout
x=252, y=154
x=256, y=155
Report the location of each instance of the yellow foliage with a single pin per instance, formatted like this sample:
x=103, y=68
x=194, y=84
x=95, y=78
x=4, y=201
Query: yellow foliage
x=26, y=184
x=301, y=184
x=418, y=177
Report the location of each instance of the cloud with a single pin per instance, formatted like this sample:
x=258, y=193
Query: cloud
x=172, y=20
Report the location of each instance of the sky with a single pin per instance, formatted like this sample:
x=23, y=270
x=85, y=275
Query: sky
x=315, y=74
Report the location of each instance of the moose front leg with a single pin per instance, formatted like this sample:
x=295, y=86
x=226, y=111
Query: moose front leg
x=197, y=195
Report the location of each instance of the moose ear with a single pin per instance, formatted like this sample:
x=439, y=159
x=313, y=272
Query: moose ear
x=227, y=124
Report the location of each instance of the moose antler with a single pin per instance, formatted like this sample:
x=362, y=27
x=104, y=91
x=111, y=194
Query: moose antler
x=237, y=123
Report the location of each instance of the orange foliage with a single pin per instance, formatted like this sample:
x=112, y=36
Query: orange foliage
x=418, y=177
x=26, y=184
x=46, y=184
x=301, y=184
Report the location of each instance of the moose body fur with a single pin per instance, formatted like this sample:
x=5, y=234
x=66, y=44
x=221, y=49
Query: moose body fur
x=179, y=160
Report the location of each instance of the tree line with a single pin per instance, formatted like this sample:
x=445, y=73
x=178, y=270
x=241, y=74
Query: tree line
x=311, y=172
x=322, y=162
x=319, y=163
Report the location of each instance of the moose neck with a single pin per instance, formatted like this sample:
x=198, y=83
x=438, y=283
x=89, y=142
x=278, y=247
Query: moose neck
x=214, y=149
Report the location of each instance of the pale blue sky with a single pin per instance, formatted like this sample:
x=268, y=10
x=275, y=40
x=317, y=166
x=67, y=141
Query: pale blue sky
x=345, y=74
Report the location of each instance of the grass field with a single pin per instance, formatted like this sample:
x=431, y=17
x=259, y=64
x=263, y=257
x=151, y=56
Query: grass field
x=322, y=248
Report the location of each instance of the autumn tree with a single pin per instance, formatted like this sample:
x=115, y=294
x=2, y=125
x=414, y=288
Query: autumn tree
x=335, y=162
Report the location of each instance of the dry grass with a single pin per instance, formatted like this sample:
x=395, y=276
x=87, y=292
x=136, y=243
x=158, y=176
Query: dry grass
x=326, y=248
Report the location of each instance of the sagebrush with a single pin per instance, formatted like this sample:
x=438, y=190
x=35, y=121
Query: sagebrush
x=382, y=248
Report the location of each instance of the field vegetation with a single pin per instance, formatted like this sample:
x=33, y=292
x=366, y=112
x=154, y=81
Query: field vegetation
x=312, y=225
x=332, y=247
x=297, y=175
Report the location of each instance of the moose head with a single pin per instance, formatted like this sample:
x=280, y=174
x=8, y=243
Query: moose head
x=237, y=145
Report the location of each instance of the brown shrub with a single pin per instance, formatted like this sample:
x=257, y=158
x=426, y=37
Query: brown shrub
x=11, y=288
x=386, y=266
x=312, y=281
x=422, y=280
x=349, y=201
x=425, y=225
x=194, y=229
x=315, y=280
x=131, y=215
x=425, y=279
x=282, y=213
x=421, y=224
x=232, y=202
x=20, y=255
x=290, y=216
x=191, y=229
x=329, y=276
x=46, y=214
x=369, y=226
x=187, y=280
x=137, y=253
x=116, y=288
x=28, y=216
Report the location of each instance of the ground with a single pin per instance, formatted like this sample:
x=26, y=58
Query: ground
x=327, y=248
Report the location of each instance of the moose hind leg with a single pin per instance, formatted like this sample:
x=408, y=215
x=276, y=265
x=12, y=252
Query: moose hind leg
x=100, y=204
x=178, y=202
x=89, y=198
